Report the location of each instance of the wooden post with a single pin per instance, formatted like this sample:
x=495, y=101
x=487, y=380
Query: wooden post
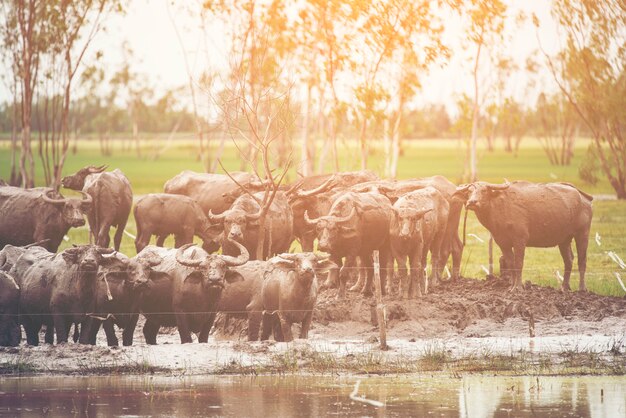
x=380, y=308
x=491, y=256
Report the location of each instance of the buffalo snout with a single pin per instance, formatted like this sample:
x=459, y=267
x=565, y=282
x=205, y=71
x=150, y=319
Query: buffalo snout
x=472, y=204
x=235, y=233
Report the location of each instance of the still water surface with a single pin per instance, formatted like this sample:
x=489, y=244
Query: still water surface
x=270, y=396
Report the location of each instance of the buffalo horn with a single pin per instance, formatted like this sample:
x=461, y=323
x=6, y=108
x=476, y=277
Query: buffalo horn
x=94, y=169
x=308, y=220
x=504, y=186
x=49, y=199
x=319, y=189
x=216, y=218
x=346, y=218
x=254, y=216
x=104, y=250
x=187, y=262
x=288, y=256
x=243, y=257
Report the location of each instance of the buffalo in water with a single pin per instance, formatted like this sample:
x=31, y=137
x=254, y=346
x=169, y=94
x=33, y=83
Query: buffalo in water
x=39, y=214
x=523, y=214
x=112, y=199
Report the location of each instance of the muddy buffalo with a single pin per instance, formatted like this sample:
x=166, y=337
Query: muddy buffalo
x=163, y=214
x=523, y=214
x=185, y=289
x=290, y=292
x=10, y=332
x=112, y=200
x=31, y=215
x=241, y=224
x=417, y=228
x=58, y=290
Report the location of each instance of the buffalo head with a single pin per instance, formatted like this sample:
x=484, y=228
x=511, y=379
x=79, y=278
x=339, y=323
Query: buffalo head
x=304, y=265
x=235, y=222
x=408, y=219
x=331, y=228
x=212, y=267
x=72, y=209
x=86, y=257
x=477, y=194
x=136, y=270
x=76, y=181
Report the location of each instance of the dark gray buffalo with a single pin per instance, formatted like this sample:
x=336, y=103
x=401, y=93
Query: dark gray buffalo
x=58, y=290
x=31, y=215
x=184, y=289
x=10, y=332
x=523, y=214
x=241, y=224
x=163, y=214
x=356, y=225
x=290, y=292
x=418, y=227
x=112, y=200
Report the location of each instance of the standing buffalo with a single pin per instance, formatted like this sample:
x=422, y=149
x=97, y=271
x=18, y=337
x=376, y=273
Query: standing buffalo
x=163, y=214
x=185, y=289
x=31, y=215
x=523, y=214
x=120, y=282
x=214, y=192
x=58, y=290
x=112, y=199
x=417, y=227
x=314, y=195
x=452, y=244
x=356, y=225
x=10, y=332
x=241, y=225
x=290, y=292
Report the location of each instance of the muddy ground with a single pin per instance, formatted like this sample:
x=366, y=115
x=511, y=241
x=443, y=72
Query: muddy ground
x=463, y=319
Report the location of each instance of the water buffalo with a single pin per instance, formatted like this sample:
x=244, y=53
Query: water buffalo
x=112, y=199
x=10, y=332
x=417, y=227
x=356, y=225
x=120, y=282
x=241, y=225
x=185, y=289
x=31, y=215
x=162, y=214
x=289, y=292
x=314, y=195
x=58, y=290
x=452, y=244
x=523, y=214
x=214, y=192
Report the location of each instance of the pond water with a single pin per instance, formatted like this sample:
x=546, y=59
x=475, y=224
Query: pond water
x=273, y=396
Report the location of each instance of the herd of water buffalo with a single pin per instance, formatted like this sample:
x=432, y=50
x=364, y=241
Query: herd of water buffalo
x=351, y=214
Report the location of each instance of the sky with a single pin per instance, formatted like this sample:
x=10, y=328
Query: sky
x=147, y=28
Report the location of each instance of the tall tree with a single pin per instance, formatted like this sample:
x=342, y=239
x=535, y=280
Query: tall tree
x=591, y=72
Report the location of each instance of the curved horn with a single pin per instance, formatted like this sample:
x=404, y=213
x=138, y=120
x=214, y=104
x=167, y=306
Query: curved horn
x=319, y=189
x=93, y=169
x=308, y=220
x=87, y=199
x=187, y=262
x=243, y=258
x=499, y=186
x=254, y=216
x=215, y=218
x=352, y=213
x=48, y=199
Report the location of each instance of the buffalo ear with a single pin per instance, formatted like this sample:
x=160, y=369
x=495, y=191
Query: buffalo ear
x=232, y=276
x=324, y=266
x=69, y=257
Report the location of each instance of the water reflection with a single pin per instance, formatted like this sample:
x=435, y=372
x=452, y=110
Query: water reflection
x=473, y=396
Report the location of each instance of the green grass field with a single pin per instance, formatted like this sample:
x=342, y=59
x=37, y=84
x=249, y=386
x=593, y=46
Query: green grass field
x=421, y=158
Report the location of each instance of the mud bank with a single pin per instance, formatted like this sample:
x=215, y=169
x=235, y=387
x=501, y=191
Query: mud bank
x=464, y=327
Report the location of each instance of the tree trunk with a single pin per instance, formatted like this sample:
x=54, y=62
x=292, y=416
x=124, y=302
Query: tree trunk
x=363, y=143
x=305, y=160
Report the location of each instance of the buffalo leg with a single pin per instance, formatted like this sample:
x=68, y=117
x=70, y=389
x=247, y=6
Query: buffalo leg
x=508, y=263
x=183, y=327
x=129, y=330
x=109, y=330
x=384, y=268
x=89, y=331
x=103, y=236
x=160, y=240
x=568, y=259
x=366, y=261
x=254, y=323
x=333, y=274
x=32, y=331
x=582, y=241
x=306, y=325
x=404, y=276
x=142, y=240
x=150, y=330
x=183, y=238
x=117, y=239
x=268, y=325
x=344, y=274
x=457, y=255
x=60, y=327
x=203, y=337
x=286, y=328
x=415, y=282
x=360, y=281
x=519, y=251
